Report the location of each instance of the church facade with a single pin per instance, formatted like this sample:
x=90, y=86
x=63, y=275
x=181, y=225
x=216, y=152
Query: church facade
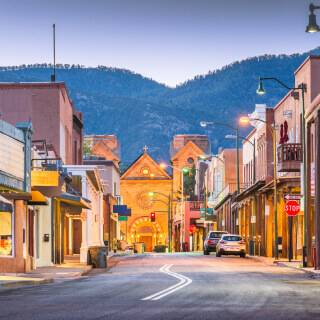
x=144, y=176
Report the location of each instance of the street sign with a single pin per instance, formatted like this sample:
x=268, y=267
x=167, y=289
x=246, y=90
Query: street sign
x=292, y=196
x=292, y=208
x=192, y=228
x=123, y=218
x=207, y=211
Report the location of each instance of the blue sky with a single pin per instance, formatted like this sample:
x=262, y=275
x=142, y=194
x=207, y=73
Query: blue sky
x=167, y=40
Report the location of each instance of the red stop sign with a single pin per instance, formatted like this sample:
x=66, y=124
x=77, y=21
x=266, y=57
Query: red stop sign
x=292, y=208
x=192, y=228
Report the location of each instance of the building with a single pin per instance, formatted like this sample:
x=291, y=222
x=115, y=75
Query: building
x=144, y=176
x=55, y=118
x=110, y=176
x=184, y=153
x=16, y=216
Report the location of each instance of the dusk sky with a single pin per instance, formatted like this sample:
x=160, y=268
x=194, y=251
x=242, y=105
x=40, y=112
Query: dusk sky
x=169, y=41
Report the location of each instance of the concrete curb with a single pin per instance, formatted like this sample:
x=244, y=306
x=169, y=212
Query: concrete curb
x=83, y=272
x=311, y=272
x=25, y=283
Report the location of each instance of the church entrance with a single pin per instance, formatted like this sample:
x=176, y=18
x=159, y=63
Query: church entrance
x=148, y=241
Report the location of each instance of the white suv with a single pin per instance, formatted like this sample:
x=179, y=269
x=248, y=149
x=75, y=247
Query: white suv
x=231, y=244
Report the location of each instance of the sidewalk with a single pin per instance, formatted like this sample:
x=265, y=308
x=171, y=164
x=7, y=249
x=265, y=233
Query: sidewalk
x=44, y=275
x=294, y=264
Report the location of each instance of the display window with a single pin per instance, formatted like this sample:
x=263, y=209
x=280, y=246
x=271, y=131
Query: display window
x=6, y=234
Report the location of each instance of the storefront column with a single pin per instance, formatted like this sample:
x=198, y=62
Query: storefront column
x=85, y=223
x=317, y=188
x=308, y=196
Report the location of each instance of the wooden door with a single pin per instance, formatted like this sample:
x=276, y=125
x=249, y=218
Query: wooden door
x=148, y=241
x=77, y=236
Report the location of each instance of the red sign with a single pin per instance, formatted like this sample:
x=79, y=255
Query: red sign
x=192, y=228
x=292, y=208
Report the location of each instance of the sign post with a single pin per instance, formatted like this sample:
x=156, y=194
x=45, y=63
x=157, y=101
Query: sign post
x=292, y=208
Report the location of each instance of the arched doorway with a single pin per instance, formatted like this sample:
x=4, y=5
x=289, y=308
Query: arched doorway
x=143, y=230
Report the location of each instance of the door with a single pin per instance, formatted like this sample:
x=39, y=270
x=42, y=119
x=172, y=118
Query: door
x=148, y=241
x=77, y=236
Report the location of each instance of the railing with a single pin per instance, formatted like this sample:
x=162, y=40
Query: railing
x=120, y=200
x=289, y=156
x=290, y=152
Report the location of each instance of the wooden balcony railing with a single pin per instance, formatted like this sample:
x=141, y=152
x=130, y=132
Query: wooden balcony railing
x=289, y=157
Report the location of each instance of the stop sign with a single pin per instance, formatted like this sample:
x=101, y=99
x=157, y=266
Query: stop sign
x=192, y=228
x=292, y=208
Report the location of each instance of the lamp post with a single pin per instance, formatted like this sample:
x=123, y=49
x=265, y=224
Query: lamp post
x=169, y=215
x=246, y=120
x=302, y=87
x=254, y=179
x=164, y=165
x=204, y=124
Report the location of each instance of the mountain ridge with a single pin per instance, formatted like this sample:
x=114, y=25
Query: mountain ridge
x=141, y=111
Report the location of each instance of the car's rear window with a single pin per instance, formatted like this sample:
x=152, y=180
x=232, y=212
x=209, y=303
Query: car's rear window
x=216, y=235
x=231, y=238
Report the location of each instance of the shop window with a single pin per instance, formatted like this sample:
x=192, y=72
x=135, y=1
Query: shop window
x=6, y=244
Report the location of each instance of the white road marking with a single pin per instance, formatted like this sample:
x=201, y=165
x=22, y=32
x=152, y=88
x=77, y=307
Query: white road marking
x=184, y=281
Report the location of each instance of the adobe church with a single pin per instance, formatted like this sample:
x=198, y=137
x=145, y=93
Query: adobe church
x=146, y=175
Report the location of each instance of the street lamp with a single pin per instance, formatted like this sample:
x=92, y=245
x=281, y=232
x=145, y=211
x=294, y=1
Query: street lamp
x=312, y=26
x=247, y=120
x=205, y=123
x=184, y=170
x=302, y=87
x=254, y=174
x=151, y=194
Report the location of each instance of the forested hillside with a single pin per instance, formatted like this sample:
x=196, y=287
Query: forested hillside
x=141, y=111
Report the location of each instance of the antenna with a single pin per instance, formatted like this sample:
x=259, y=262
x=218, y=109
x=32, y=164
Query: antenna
x=53, y=77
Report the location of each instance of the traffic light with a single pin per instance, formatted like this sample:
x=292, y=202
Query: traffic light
x=153, y=216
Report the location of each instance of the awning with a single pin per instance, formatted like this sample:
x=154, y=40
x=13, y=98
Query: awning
x=5, y=205
x=74, y=200
x=38, y=198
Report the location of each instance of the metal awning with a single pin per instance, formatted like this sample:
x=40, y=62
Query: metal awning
x=5, y=205
x=74, y=201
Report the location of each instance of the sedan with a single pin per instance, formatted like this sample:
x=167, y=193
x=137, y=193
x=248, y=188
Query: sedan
x=231, y=244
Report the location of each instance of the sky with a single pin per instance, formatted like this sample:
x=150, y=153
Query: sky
x=169, y=41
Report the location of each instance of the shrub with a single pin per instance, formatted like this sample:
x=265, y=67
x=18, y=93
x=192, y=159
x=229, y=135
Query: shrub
x=160, y=248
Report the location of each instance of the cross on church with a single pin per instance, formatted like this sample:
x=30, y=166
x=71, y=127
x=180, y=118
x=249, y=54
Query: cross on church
x=145, y=148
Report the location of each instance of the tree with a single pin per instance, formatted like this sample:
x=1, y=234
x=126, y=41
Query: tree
x=87, y=148
x=190, y=182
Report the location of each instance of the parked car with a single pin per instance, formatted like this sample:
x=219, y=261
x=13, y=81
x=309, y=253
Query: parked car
x=231, y=244
x=211, y=241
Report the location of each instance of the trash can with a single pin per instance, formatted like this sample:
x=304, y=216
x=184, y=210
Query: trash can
x=251, y=248
x=122, y=245
x=138, y=247
x=97, y=256
x=304, y=257
x=185, y=247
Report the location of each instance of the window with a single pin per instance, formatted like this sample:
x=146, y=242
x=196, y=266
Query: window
x=214, y=235
x=231, y=238
x=190, y=160
x=6, y=244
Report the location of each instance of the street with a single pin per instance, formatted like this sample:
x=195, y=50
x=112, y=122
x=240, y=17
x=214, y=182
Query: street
x=212, y=288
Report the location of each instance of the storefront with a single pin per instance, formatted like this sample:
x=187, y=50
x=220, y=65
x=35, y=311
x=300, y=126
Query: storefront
x=15, y=167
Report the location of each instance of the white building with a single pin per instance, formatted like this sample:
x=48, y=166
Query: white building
x=86, y=182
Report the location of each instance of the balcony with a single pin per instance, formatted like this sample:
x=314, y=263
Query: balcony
x=289, y=157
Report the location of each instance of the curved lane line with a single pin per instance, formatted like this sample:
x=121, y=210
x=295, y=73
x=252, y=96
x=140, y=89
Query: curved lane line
x=164, y=270
x=188, y=281
x=184, y=281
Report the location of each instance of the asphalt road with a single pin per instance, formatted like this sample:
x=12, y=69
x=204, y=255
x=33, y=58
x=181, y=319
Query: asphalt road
x=212, y=288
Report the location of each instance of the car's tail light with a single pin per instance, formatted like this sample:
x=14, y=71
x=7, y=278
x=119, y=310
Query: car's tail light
x=242, y=242
x=210, y=241
x=223, y=242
